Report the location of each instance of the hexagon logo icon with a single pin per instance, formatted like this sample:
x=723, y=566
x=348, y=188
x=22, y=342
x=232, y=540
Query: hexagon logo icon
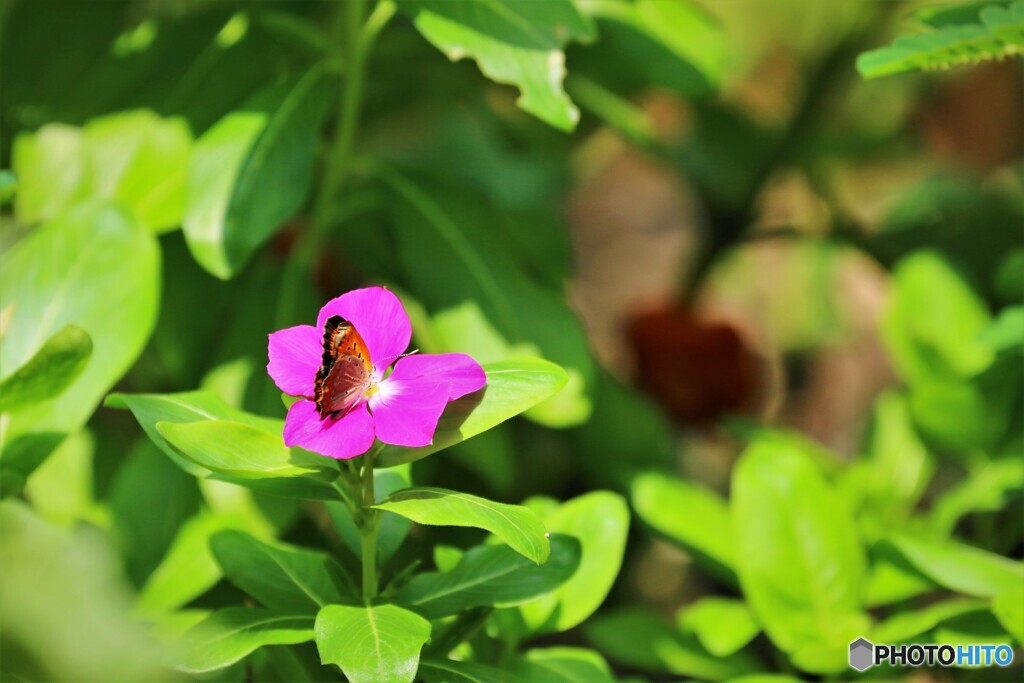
x=861, y=654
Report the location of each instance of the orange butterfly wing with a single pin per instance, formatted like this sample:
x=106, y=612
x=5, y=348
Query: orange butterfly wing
x=345, y=372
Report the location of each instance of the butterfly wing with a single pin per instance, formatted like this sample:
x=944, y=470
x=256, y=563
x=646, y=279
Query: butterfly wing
x=346, y=370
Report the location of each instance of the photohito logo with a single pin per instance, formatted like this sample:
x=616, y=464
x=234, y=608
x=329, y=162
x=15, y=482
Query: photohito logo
x=865, y=654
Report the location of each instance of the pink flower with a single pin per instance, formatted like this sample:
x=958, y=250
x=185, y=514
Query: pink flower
x=339, y=368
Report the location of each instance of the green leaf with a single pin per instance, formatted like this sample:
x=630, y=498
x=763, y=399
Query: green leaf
x=94, y=268
x=959, y=567
x=892, y=579
x=49, y=372
x=692, y=516
x=512, y=387
x=562, y=665
x=600, y=521
x=997, y=33
x=230, y=634
x=907, y=626
x=517, y=42
x=515, y=525
x=452, y=671
x=253, y=170
x=675, y=45
x=722, y=625
x=638, y=638
x=933, y=320
x=134, y=158
x=988, y=487
x=197, y=406
x=974, y=628
x=1007, y=332
x=61, y=490
x=8, y=186
x=491, y=575
x=281, y=576
x=799, y=559
x=373, y=644
x=393, y=528
x=243, y=452
x=1008, y=607
x=188, y=570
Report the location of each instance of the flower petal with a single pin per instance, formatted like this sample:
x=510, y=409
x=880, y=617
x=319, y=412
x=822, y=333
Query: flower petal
x=406, y=413
x=463, y=373
x=295, y=355
x=380, y=319
x=343, y=438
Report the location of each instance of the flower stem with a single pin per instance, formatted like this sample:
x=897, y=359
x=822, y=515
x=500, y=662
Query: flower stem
x=368, y=530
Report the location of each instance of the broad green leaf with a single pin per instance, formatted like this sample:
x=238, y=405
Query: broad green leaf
x=997, y=32
x=562, y=665
x=512, y=387
x=452, y=671
x=515, y=525
x=638, y=638
x=66, y=606
x=799, y=558
x=280, y=576
x=967, y=415
x=491, y=575
x=230, y=634
x=722, y=625
x=692, y=516
x=253, y=170
x=988, y=487
x=244, y=452
x=517, y=42
x=675, y=45
x=907, y=626
x=1008, y=607
x=933, y=320
x=49, y=372
x=600, y=521
x=94, y=268
x=1007, y=332
x=372, y=644
x=198, y=406
x=188, y=406
x=960, y=567
x=134, y=158
x=393, y=528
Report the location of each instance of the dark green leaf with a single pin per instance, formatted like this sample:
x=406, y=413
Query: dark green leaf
x=512, y=387
x=799, y=558
x=491, y=575
x=252, y=171
x=49, y=372
x=280, y=576
x=373, y=644
x=451, y=671
x=230, y=634
x=517, y=526
x=517, y=42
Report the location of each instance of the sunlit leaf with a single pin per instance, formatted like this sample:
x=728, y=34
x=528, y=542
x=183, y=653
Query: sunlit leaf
x=562, y=665
x=230, y=634
x=960, y=567
x=722, y=625
x=372, y=644
x=518, y=42
x=517, y=526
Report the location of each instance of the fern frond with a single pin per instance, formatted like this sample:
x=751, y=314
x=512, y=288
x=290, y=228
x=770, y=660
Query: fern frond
x=996, y=33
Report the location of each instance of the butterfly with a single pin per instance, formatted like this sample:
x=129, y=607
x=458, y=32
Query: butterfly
x=345, y=372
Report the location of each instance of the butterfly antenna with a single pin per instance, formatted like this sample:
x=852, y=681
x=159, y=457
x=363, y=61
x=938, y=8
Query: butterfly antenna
x=400, y=356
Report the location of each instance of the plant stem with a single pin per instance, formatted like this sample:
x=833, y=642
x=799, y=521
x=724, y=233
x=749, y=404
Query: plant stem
x=368, y=530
